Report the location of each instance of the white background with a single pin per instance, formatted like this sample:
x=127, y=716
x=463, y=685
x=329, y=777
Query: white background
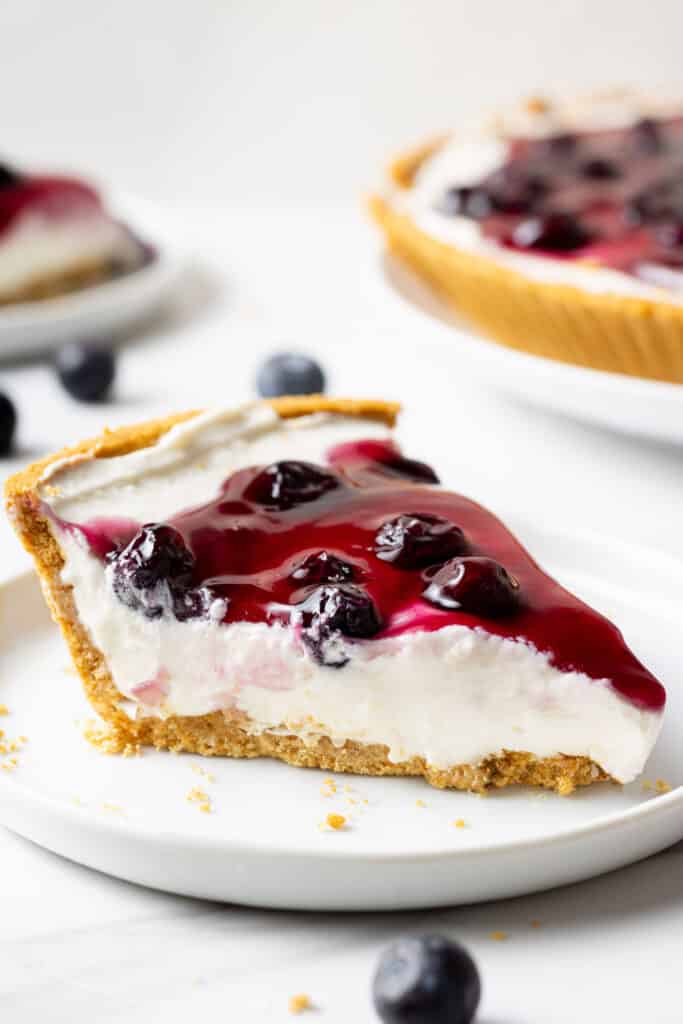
x=262, y=124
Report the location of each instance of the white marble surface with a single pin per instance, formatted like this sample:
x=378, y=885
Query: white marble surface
x=76, y=946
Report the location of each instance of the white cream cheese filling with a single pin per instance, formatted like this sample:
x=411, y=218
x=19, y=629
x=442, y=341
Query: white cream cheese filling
x=453, y=696
x=465, y=160
x=39, y=247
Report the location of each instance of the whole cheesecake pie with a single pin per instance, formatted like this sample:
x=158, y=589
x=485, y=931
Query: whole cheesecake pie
x=56, y=236
x=283, y=580
x=557, y=229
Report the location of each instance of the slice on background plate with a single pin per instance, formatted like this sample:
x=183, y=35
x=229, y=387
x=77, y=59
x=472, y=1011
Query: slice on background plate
x=555, y=228
x=281, y=580
x=56, y=237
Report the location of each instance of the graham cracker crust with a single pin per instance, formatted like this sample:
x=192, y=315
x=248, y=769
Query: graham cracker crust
x=64, y=282
x=226, y=734
x=619, y=334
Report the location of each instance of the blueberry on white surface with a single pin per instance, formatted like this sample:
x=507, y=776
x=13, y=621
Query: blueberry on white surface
x=289, y=373
x=86, y=371
x=8, y=421
x=426, y=979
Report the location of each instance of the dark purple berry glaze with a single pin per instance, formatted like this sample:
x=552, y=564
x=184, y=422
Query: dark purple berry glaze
x=364, y=547
x=603, y=196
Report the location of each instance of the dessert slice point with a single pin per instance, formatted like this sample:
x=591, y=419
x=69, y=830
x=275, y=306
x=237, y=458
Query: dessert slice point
x=282, y=580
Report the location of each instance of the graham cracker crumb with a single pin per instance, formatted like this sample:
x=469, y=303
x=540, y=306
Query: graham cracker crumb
x=299, y=1003
x=420, y=803
x=114, y=808
x=459, y=822
x=662, y=787
x=9, y=766
x=499, y=936
x=199, y=797
x=537, y=105
x=4, y=710
x=198, y=770
x=3, y=748
x=646, y=786
x=335, y=821
x=108, y=739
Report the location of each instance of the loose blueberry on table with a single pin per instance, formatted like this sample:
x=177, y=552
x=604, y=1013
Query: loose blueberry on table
x=290, y=373
x=426, y=979
x=86, y=371
x=358, y=550
x=8, y=422
x=614, y=197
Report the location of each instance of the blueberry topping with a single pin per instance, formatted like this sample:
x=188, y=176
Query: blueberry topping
x=411, y=469
x=426, y=979
x=197, y=603
x=283, y=485
x=8, y=422
x=416, y=541
x=514, y=190
x=290, y=374
x=9, y=178
x=560, y=146
x=662, y=201
x=466, y=201
x=647, y=136
x=555, y=232
x=474, y=584
x=323, y=567
x=153, y=571
x=671, y=235
x=599, y=169
x=335, y=611
x=86, y=371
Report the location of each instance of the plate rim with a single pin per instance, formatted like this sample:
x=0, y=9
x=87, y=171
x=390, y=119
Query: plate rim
x=653, y=808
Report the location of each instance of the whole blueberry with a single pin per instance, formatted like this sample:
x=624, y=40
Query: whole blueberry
x=414, y=541
x=285, y=484
x=476, y=585
x=153, y=572
x=8, y=421
x=426, y=979
x=86, y=371
x=290, y=373
x=9, y=178
x=334, y=611
x=322, y=567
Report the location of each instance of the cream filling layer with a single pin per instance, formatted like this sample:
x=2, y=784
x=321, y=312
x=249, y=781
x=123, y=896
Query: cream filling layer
x=39, y=248
x=451, y=697
x=465, y=161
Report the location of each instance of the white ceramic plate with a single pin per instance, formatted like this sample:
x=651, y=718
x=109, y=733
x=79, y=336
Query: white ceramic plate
x=262, y=843
x=103, y=310
x=628, y=404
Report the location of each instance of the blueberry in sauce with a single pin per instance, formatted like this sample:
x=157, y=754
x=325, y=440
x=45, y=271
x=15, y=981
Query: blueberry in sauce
x=474, y=584
x=466, y=201
x=554, y=232
x=426, y=979
x=647, y=137
x=599, y=169
x=322, y=567
x=414, y=541
x=515, y=190
x=283, y=485
x=86, y=371
x=411, y=469
x=559, y=146
x=8, y=422
x=9, y=178
x=153, y=571
x=662, y=201
x=290, y=373
x=332, y=612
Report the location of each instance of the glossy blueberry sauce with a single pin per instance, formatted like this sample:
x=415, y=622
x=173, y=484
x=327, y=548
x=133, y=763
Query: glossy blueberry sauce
x=248, y=553
x=612, y=197
x=51, y=198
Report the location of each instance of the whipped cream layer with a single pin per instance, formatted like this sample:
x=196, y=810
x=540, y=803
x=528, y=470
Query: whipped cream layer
x=451, y=696
x=467, y=159
x=38, y=248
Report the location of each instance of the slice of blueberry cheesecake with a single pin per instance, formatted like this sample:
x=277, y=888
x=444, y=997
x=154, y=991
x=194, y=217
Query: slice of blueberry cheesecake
x=282, y=580
x=56, y=236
